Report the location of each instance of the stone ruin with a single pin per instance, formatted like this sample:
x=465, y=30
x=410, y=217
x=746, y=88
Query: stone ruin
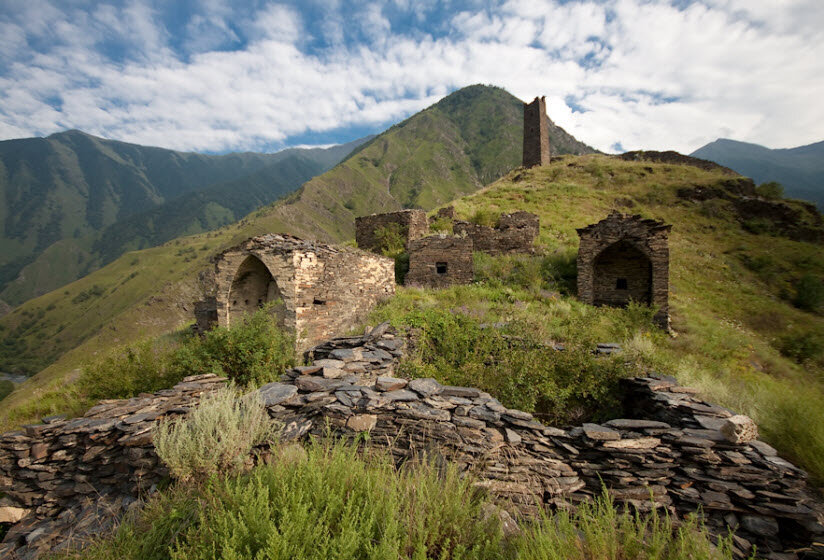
x=69, y=481
x=317, y=290
x=409, y=224
x=439, y=261
x=514, y=233
x=625, y=258
x=536, y=133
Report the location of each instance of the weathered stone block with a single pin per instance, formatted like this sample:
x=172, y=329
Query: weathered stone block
x=440, y=261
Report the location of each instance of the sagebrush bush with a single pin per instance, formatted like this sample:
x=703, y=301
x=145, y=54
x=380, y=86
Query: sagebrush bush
x=215, y=437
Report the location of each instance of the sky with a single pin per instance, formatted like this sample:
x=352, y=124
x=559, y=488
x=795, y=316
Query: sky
x=215, y=76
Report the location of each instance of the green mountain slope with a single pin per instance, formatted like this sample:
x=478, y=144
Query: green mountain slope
x=742, y=336
x=800, y=170
x=63, y=200
x=464, y=141
x=424, y=161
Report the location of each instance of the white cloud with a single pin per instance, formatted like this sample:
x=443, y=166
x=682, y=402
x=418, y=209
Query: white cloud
x=648, y=75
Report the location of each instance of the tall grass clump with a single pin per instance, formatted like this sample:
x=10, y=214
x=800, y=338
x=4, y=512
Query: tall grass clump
x=217, y=436
x=599, y=531
x=334, y=501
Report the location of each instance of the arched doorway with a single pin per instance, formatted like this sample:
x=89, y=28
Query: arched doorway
x=622, y=273
x=252, y=287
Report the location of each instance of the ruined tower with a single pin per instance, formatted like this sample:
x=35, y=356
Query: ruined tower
x=536, y=133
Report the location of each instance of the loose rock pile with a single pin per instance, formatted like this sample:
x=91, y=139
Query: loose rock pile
x=673, y=452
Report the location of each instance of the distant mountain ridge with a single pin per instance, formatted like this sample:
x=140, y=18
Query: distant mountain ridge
x=800, y=170
x=72, y=202
x=455, y=147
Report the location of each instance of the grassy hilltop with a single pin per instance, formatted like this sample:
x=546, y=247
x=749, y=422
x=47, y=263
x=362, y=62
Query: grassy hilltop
x=744, y=334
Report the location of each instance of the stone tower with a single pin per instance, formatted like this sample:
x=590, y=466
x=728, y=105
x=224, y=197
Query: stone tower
x=536, y=133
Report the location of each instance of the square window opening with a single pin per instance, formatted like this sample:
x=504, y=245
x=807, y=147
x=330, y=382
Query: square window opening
x=440, y=268
x=621, y=284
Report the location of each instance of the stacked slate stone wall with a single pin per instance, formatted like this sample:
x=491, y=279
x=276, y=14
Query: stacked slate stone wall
x=73, y=477
x=514, y=233
x=672, y=451
x=411, y=224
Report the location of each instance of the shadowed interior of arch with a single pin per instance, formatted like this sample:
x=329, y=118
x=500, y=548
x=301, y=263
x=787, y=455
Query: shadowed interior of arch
x=622, y=273
x=252, y=287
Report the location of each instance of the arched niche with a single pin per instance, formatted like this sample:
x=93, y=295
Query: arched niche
x=252, y=287
x=622, y=272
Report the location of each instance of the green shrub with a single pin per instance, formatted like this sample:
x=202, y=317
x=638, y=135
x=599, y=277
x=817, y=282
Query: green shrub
x=94, y=291
x=215, y=437
x=485, y=217
x=809, y=293
x=146, y=366
x=772, y=189
x=441, y=225
x=6, y=387
x=801, y=346
x=253, y=352
x=390, y=240
x=522, y=372
x=561, y=269
x=598, y=531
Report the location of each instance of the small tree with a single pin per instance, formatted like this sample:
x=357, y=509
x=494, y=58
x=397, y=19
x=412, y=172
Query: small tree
x=809, y=293
x=771, y=189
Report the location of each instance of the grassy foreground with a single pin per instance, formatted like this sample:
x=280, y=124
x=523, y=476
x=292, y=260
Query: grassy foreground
x=330, y=501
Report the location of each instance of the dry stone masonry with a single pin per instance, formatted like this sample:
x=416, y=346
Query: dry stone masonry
x=318, y=290
x=439, y=261
x=409, y=224
x=623, y=258
x=672, y=451
x=514, y=233
x=536, y=133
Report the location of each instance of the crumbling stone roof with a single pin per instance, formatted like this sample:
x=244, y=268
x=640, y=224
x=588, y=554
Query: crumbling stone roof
x=616, y=216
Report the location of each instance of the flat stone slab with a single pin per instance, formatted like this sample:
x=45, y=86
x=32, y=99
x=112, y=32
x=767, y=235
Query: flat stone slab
x=631, y=424
x=426, y=387
x=600, y=433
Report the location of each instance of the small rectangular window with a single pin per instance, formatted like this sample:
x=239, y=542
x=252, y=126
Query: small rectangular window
x=319, y=301
x=440, y=268
x=621, y=284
